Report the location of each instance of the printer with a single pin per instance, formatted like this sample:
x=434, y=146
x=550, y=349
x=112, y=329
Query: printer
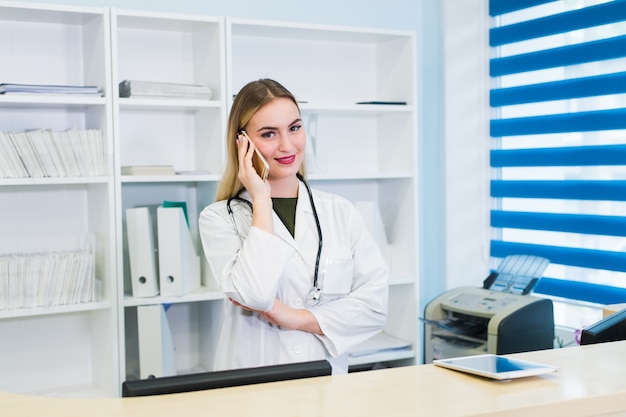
x=470, y=321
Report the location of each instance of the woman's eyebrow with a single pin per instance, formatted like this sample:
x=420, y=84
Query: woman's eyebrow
x=298, y=120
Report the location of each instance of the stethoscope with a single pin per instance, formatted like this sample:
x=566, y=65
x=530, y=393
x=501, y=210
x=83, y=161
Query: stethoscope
x=315, y=294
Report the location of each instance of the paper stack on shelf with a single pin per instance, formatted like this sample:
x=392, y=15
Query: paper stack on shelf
x=46, y=279
x=131, y=88
x=148, y=170
x=47, y=153
x=9, y=88
x=193, y=172
x=382, y=342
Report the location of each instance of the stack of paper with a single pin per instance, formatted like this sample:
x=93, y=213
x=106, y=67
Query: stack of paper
x=8, y=88
x=148, y=170
x=47, y=279
x=382, y=342
x=47, y=153
x=130, y=88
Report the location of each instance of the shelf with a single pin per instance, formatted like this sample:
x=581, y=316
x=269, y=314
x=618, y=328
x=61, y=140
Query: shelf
x=41, y=311
x=186, y=133
x=315, y=176
x=54, y=181
x=319, y=176
x=354, y=109
x=53, y=348
x=103, y=46
x=157, y=21
x=136, y=103
x=363, y=152
x=39, y=13
x=202, y=294
x=313, y=32
x=170, y=178
x=50, y=100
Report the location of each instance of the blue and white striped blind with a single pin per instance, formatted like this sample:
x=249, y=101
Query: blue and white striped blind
x=558, y=131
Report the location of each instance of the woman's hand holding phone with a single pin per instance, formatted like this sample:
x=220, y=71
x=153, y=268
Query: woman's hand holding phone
x=254, y=182
x=258, y=161
x=258, y=186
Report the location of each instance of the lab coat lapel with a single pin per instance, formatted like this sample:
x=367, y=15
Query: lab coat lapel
x=280, y=230
x=306, y=230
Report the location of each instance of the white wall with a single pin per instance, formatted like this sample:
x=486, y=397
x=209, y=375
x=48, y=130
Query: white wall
x=467, y=141
x=455, y=142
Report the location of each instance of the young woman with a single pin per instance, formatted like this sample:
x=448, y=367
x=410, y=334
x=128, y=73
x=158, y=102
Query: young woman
x=304, y=278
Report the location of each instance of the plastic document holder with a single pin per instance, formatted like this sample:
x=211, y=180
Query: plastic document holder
x=141, y=252
x=179, y=264
x=156, y=349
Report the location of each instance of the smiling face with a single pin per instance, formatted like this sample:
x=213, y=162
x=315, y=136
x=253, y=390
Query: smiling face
x=277, y=131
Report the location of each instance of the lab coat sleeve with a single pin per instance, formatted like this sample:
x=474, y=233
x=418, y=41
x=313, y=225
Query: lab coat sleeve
x=354, y=318
x=248, y=273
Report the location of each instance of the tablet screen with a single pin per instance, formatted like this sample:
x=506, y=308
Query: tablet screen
x=494, y=366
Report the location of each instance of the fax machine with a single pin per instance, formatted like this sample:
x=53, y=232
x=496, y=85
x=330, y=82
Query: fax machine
x=471, y=321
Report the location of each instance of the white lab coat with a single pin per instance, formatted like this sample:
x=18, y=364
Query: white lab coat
x=352, y=271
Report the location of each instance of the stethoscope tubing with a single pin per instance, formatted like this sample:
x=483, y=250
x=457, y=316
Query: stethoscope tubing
x=315, y=294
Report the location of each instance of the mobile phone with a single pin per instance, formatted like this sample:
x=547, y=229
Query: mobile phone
x=258, y=162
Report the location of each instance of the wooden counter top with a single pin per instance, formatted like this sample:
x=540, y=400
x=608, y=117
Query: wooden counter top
x=591, y=382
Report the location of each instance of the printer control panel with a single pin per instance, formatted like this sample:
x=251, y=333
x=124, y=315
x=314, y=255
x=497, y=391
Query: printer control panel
x=472, y=302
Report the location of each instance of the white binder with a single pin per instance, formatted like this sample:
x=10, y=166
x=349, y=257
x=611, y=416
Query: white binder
x=374, y=223
x=179, y=264
x=141, y=252
x=156, y=349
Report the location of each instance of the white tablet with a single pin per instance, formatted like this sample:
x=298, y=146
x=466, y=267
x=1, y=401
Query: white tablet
x=495, y=367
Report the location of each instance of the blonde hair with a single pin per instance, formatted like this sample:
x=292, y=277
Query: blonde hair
x=248, y=101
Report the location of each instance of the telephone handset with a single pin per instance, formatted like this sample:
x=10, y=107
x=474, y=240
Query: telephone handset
x=258, y=161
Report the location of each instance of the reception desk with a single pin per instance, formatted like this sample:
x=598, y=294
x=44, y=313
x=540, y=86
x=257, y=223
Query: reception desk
x=591, y=382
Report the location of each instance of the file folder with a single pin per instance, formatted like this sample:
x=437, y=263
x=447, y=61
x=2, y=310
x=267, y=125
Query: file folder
x=181, y=204
x=141, y=252
x=374, y=223
x=156, y=349
x=179, y=264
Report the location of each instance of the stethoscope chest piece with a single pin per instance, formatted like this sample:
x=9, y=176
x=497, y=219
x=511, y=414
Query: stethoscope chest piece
x=314, y=296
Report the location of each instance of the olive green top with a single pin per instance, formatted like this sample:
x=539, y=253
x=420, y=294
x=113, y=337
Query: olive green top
x=285, y=208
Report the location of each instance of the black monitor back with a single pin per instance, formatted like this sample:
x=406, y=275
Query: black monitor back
x=223, y=379
x=609, y=329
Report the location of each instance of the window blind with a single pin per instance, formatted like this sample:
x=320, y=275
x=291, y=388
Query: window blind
x=558, y=153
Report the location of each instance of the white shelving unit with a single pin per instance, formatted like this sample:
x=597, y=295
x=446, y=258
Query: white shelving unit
x=185, y=133
x=365, y=152
x=61, y=349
